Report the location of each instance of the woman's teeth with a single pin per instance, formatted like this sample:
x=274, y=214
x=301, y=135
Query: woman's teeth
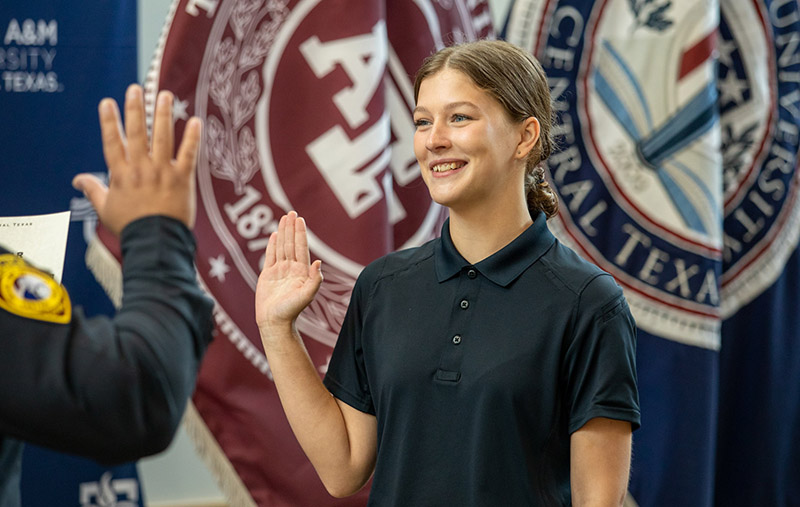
x=440, y=168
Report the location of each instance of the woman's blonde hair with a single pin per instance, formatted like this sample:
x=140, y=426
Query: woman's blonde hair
x=517, y=81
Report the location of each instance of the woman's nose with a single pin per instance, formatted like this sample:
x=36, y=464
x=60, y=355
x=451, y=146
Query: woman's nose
x=437, y=137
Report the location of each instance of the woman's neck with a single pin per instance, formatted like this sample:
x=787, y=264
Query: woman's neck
x=480, y=233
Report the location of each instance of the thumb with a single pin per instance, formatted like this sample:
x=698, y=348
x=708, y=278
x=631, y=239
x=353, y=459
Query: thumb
x=315, y=271
x=94, y=190
x=315, y=275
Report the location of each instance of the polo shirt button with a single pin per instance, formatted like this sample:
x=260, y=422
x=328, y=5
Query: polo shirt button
x=472, y=273
x=464, y=304
x=457, y=339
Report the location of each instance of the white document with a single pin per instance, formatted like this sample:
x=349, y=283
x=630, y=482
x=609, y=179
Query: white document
x=39, y=239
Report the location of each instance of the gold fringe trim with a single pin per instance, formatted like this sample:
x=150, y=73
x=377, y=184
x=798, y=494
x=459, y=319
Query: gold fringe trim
x=215, y=459
x=108, y=272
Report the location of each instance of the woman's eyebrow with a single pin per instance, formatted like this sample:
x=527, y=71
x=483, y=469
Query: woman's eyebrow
x=448, y=107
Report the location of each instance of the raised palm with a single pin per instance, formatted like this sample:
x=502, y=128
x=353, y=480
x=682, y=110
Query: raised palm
x=144, y=179
x=289, y=281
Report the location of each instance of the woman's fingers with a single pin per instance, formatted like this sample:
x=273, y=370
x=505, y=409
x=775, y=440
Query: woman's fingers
x=301, y=242
x=269, y=254
x=288, y=240
x=280, y=252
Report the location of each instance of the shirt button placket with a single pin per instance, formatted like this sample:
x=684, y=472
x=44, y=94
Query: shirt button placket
x=472, y=274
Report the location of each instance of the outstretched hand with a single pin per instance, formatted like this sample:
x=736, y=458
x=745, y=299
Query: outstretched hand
x=289, y=281
x=144, y=179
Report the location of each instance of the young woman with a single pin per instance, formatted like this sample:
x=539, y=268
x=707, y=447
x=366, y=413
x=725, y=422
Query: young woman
x=491, y=366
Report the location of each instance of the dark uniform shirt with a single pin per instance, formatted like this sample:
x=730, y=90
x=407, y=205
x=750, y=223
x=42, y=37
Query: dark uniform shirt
x=112, y=390
x=478, y=374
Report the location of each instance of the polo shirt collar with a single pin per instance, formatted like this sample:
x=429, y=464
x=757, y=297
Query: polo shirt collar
x=505, y=265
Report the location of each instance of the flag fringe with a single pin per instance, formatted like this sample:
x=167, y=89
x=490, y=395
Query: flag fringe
x=215, y=459
x=108, y=272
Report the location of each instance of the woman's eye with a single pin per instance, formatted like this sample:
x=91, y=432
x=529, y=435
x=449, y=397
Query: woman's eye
x=460, y=117
x=421, y=123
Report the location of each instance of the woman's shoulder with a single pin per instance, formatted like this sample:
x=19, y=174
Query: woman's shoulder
x=398, y=261
x=580, y=275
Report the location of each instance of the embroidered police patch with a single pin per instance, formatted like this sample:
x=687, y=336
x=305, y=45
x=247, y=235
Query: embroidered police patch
x=30, y=293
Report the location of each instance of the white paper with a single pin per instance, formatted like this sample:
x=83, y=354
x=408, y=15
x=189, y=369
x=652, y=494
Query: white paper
x=39, y=239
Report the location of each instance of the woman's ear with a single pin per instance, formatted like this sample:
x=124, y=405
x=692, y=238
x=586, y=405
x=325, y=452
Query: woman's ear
x=529, y=136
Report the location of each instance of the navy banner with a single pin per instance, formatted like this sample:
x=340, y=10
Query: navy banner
x=57, y=60
x=679, y=128
x=758, y=437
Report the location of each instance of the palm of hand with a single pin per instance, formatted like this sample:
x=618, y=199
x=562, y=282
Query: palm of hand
x=289, y=281
x=283, y=291
x=144, y=178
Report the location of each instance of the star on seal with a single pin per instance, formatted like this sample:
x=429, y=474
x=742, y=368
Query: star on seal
x=179, y=108
x=218, y=267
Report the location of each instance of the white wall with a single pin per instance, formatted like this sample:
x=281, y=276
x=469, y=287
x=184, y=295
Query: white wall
x=152, y=14
x=177, y=476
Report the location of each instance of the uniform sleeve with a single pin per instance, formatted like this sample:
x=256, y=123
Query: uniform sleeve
x=112, y=389
x=600, y=358
x=346, y=377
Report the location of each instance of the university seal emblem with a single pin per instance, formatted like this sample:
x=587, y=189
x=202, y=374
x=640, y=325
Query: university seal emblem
x=760, y=107
x=307, y=106
x=674, y=173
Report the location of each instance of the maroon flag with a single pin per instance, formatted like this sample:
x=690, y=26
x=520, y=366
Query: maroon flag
x=307, y=106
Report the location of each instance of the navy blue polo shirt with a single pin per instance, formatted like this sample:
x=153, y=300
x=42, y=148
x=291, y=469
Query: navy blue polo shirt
x=478, y=374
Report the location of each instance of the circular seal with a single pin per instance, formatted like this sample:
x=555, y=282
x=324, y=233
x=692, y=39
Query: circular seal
x=307, y=115
x=759, y=140
x=672, y=176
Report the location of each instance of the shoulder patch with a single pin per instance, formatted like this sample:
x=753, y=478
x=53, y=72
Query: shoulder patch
x=31, y=293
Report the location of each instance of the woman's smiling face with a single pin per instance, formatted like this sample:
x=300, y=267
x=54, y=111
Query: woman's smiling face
x=465, y=143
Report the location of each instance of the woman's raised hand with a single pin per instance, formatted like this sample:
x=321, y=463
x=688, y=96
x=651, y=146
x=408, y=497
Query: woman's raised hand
x=289, y=280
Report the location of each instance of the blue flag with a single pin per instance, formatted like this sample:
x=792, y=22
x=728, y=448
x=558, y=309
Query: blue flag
x=57, y=60
x=678, y=125
x=758, y=437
